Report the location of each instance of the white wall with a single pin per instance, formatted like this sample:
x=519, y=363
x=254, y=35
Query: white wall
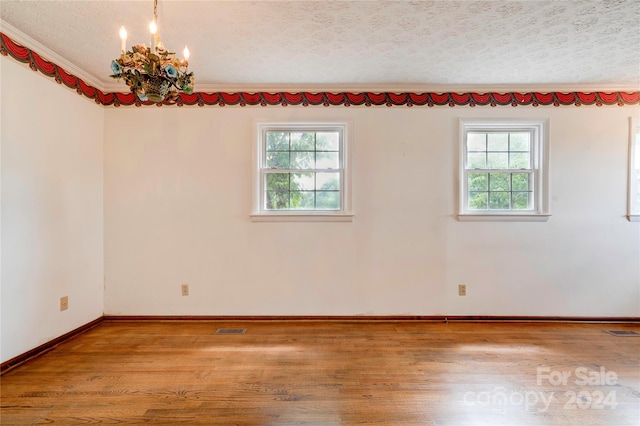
x=52, y=209
x=178, y=198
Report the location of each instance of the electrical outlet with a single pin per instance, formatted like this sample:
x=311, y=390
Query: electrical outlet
x=462, y=289
x=64, y=303
x=185, y=289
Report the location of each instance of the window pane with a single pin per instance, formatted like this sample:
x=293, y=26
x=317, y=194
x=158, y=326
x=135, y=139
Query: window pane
x=519, y=160
x=277, y=141
x=328, y=181
x=302, y=141
x=327, y=160
x=277, y=181
x=300, y=152
x=521, y=200
x=328, y=200
x=499, y=200
x=303, y=181
x=478, y=200
x=277, y=200
x=476, y=141
x=498, y=142
x=497, y=160
x=501, y=161
x=302, y=160
x=303, y=200
x=478, y=181
x=499, y=182
x=519, y=142
x=476, y=161
x=278, y=159
x=328, y=141
x=520, y=182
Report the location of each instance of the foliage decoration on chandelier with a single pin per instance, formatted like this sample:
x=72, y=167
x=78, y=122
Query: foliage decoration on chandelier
x=153, y=73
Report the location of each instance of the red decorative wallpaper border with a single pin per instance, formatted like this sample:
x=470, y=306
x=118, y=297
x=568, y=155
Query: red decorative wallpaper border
x=409, y=99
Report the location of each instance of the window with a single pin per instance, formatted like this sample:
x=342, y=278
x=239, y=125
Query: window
x=504, y=172
x=634, y=170
x=302, y=172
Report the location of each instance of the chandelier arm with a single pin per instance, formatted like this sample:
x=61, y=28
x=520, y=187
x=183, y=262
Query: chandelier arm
x=174, y=84
x=170, y=80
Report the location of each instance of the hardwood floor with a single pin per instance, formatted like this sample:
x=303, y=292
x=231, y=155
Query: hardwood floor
x=332, y=373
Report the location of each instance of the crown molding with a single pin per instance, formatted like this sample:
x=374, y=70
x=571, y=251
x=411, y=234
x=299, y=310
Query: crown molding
x=389, y=88
x=48, y=54
x=411, y=88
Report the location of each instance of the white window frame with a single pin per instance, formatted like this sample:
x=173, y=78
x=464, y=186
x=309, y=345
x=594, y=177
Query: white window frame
x=539, y=130
x=261, y=214
x=633, y=213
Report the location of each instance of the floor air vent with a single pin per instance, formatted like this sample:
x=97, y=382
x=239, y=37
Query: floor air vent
x=623, y=333
x=231, y=331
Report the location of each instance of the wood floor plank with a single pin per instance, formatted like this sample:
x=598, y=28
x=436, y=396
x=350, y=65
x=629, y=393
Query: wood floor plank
x=331, y=373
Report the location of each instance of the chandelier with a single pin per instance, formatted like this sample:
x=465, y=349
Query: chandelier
x=153, y=73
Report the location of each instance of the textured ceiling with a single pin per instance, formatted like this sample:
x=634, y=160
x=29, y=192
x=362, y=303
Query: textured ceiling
x=423, y=44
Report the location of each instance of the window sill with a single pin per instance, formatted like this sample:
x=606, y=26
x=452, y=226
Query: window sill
x=503, y=217
x=633, y=217
x=301, y=217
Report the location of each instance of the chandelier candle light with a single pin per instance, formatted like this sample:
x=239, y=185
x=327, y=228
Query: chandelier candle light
x=153, y=73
